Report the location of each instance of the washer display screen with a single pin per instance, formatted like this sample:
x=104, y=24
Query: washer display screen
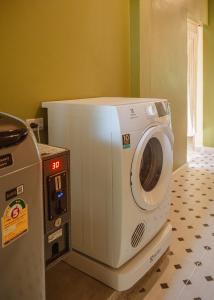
x=160, y=109
x=151, y=164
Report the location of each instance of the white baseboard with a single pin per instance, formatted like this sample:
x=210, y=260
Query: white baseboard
x=179, y=169
x=209, y=149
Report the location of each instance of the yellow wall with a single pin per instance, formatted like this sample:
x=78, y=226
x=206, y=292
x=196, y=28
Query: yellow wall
x=135, y=47
x=57, y=49
x=197, y=10
x=163, y=58
x=164, y=63
x=209, y=79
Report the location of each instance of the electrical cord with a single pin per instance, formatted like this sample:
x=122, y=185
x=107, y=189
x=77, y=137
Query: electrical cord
x=36, y=127
x=38, y=134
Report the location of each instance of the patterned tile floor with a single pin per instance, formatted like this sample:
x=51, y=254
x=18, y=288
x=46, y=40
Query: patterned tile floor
x=187, y=271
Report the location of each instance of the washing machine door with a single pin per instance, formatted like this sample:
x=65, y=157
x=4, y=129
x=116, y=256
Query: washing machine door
x=152, y=167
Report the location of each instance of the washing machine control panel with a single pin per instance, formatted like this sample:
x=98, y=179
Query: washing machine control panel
x=151, y=110
x=140, y=115
x=162, y=108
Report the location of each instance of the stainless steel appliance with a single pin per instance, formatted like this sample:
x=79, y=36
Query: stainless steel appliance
x=21, y=213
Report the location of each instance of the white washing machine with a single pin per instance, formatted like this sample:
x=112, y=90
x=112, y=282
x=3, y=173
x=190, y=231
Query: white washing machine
x=121, y=166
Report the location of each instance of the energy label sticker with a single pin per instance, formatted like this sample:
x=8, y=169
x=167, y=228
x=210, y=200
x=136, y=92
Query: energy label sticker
x=14, y=221
x=126, y=141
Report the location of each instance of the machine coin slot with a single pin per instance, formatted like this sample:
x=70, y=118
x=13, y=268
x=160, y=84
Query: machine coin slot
x=58, y=183
x=57, y=195
x=55, y=249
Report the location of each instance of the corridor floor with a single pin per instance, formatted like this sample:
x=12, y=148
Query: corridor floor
x=187, y=271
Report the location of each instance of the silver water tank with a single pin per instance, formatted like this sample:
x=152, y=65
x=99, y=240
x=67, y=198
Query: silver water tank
x=22, y=272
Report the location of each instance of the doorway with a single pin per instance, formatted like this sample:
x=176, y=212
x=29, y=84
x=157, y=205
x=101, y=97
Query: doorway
x=194, y=87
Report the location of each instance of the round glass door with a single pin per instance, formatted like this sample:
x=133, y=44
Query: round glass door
x=151, y=164
x=152, y=167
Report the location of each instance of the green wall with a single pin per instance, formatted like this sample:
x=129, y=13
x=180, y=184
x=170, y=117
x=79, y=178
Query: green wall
x=66, y=49
x=209, y=79
x=164, y=63
x=197, y=10
x=135, y=47
x=159, y=57
x=62, y=49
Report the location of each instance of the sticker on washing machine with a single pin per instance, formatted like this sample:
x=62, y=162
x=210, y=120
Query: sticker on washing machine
x=14, y=222
x=6, y=160
x=126, y=141
x=15, y=192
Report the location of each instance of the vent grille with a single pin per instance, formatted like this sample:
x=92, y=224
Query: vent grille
x=137, y=235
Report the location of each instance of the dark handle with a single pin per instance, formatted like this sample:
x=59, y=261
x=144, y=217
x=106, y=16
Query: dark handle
x=12, y=137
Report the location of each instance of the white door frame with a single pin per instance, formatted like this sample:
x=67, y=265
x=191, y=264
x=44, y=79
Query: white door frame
x=195, y=88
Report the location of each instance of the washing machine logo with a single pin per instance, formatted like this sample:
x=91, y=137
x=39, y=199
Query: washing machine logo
x=126, y=141
x=133, y=114
x=153, y=257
